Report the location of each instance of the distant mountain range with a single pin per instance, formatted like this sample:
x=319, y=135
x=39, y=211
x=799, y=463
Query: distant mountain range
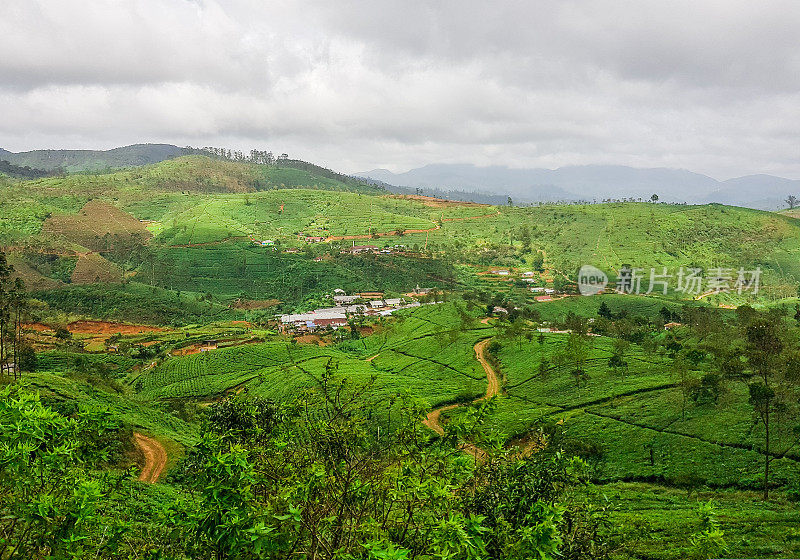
x=595, y=182
x=491, y=184
x=93, y=160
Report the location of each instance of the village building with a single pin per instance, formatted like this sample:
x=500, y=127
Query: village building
x=358, y=249
x=314, y=239
x=355, y=309
x=344, y=299
x=319, y=318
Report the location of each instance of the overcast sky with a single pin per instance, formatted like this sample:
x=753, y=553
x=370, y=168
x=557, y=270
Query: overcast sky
x=709, y=86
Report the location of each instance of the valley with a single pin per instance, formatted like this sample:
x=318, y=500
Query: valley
x=245, y=357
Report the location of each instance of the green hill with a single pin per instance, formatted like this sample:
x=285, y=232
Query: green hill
x=93, y=160
x=204, y=214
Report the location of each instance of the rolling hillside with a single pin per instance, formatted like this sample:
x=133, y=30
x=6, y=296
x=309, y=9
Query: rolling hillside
x=93, y=160
x=200, y=219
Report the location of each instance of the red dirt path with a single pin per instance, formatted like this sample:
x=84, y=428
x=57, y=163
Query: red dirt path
x=155, y=457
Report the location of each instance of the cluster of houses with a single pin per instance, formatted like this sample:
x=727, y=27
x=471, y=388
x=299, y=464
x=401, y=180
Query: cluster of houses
x=529, y=278
x=542, y=290
x=346, y=307
x=354, y=250
x=359, y=249
x=525, y=276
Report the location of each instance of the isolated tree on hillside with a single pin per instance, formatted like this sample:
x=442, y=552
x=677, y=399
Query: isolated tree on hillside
x=13, y=308
x=791, y=200
x=604, y=311
x=654, y=198
x=775, y=370
x=575, y=352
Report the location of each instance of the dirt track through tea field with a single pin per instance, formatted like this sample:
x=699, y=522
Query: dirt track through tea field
x=155, y=457
x=493, y=378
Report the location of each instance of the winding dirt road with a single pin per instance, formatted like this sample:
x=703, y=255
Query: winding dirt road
x=155, y=457
x=433, y=420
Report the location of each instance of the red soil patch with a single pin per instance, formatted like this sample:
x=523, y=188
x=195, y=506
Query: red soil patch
x=38, y=327
x=312, y=339
x=155, y=457
x=435, y=202
x=109, y=328
x=186, y=350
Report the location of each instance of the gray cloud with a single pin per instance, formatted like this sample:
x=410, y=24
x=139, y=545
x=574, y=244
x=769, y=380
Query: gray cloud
x=709, y=86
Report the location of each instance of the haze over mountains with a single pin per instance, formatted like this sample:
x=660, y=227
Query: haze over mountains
x=93, y=160
x=483, y=184
x=596, y=182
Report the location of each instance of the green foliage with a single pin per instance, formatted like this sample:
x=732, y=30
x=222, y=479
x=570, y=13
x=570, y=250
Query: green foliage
x=291, y=278
x=331, y=480
x=520, y=506
x=709, y=541
x=137, y=303
x=50, y=501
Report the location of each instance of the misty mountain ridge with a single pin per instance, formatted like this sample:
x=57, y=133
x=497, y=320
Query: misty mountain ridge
x=491, y=184
x=597, y=182
x=93, y=160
